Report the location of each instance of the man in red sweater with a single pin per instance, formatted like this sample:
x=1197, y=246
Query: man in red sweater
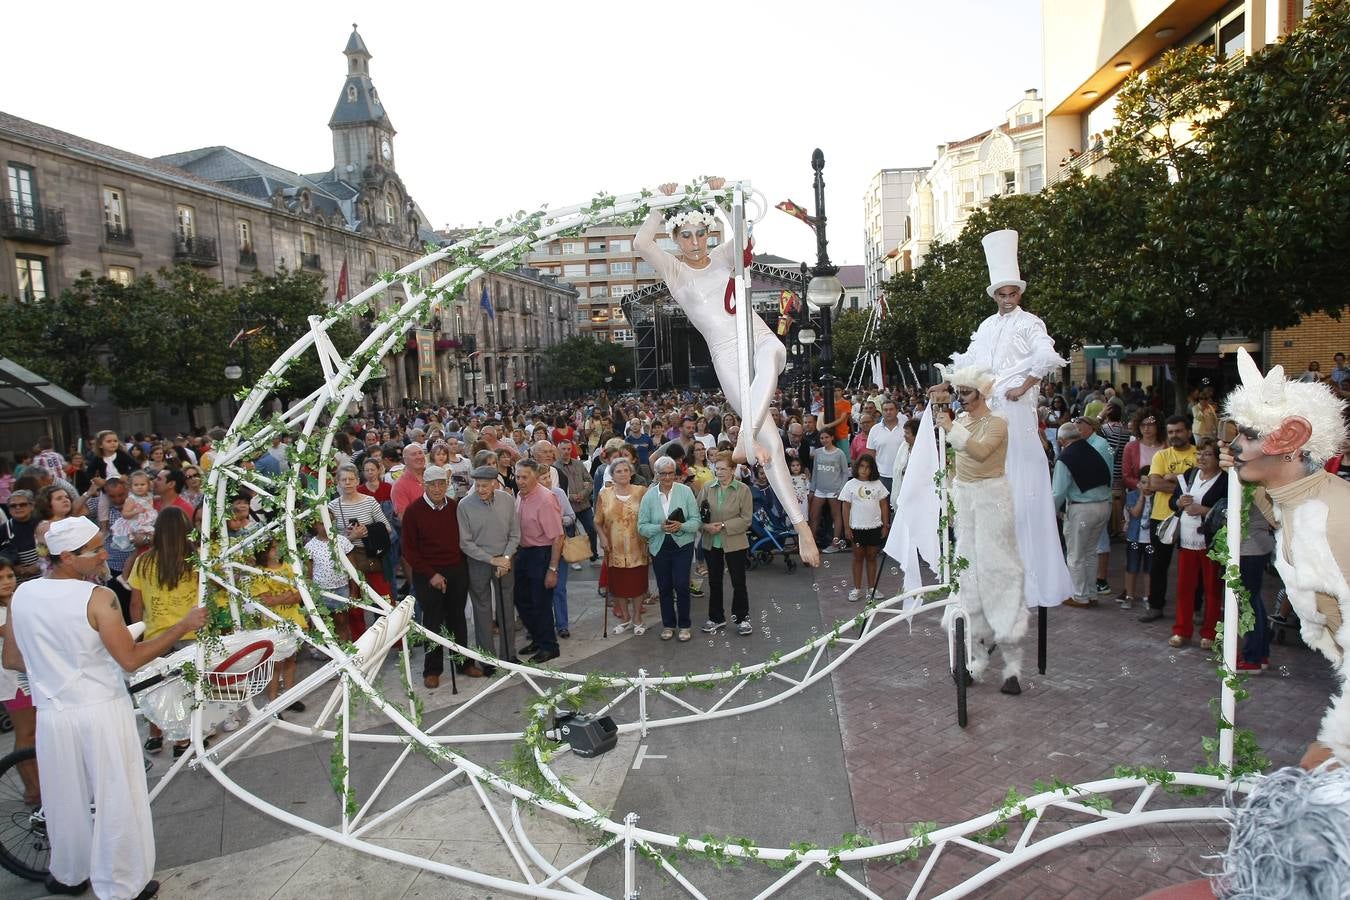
x=430, y=545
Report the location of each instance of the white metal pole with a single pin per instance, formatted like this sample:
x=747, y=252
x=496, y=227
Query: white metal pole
x=1231, y=615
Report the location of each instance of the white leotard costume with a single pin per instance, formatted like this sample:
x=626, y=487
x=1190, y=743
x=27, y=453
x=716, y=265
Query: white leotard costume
x=700, y=293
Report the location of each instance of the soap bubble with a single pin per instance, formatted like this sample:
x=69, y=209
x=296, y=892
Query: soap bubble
x=1190, y=312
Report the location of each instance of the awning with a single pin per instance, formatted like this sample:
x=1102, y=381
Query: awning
x=22, y=392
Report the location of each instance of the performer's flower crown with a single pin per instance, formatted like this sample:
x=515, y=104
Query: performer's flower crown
x=678, y=217
x=1263, y=403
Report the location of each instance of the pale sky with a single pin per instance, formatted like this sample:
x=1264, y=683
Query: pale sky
x=504, y=106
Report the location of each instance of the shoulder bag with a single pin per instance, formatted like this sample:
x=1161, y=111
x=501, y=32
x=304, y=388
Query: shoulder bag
x=1169, y=527
x=361, y=556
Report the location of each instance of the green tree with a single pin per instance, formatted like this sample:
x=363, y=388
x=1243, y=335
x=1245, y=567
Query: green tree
x=846, y=335
x=64, y=337
x=281, y=304
x=170, y=341
x=581, y=364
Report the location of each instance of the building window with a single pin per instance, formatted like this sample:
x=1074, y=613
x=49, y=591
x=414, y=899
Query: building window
x=32, y=277
x=618, y=290
x=571, y=247
x=645, y=268
x=370, y=260
x=186, y=222
x=595, y=246
x=1025, y=119
x=667, y=243
x=621, y=268
x=622, y=335
x=244, y=231
x=113, y=214
x=307, y=242
x=123, y=275
x=621, y=246
x=390, y=208
x=1035, y=178
x=21, y=191
x=574, y=269
x=599, y=268
x=351, y=88
x=1009, y=182
x=1233, y=36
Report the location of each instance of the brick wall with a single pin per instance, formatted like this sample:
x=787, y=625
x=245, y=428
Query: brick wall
x=1316, y=337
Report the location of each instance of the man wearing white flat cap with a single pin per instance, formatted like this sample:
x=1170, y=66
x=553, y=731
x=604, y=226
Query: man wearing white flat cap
x=1014, y=345
x=70, y=638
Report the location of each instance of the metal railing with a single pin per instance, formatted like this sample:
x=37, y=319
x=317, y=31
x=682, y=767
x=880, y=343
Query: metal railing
x=195, y=249
x=248, y=258
x=117, y=234
x=39, y=224
x=310, y=261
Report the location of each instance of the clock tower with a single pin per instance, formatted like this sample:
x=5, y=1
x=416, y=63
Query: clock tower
x=363, y=136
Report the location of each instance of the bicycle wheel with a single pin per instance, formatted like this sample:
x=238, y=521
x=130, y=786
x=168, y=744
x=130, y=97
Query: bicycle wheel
x=24, y=847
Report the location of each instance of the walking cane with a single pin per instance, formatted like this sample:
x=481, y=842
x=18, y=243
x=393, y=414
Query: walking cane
x=502, y=624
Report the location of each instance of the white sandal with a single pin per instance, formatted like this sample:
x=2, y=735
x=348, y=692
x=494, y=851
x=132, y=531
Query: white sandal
x=639, y=629
x=620, y=628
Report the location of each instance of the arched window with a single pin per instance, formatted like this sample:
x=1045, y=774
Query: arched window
x=390, y=207
x=351, y=93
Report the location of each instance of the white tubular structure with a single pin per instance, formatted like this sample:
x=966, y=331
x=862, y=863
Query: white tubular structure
x=315, y=419
x=745, y=332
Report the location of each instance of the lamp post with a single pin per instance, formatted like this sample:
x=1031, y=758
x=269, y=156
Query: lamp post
x=825, y=289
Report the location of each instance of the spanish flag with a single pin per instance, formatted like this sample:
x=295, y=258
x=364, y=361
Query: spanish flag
x=797, y=212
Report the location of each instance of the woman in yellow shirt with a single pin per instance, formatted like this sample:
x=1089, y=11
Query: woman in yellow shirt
x=163, y=589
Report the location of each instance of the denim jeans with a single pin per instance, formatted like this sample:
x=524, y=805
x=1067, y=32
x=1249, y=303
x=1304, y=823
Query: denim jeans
x=560, y=596
x=1257, y=645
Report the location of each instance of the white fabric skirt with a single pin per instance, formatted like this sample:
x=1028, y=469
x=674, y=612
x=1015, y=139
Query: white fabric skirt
x=992, y=582
x=1046, y=575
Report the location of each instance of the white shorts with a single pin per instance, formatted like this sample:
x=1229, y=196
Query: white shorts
x=826, y=495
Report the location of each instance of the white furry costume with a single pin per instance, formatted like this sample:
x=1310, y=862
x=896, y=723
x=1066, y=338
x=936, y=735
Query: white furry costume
x=700, y=293
x=1312, y=523
x=991, y=590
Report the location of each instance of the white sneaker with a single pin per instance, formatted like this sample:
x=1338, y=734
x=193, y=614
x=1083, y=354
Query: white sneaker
x=854, y=595
x=576, y=567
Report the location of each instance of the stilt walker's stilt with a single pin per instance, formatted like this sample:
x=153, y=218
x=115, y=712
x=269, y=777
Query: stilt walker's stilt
x=1040, y=638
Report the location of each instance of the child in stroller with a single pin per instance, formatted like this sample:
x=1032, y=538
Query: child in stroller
x=770, y=531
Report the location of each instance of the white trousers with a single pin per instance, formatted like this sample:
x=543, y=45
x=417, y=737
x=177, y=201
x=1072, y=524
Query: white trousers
x=91, y=755
x=991, y=585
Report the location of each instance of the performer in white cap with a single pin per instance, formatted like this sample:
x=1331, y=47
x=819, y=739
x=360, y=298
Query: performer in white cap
x=991, y=588
x=1014, y=346
x=1284, y=432
x=70, y=638
x=697, y=279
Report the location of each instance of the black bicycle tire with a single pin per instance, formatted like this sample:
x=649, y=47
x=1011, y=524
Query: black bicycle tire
x=7, y=859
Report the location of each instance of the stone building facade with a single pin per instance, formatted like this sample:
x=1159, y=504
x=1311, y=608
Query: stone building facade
x=70, y=204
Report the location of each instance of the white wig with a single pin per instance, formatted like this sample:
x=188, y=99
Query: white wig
x=1291, y=838
x=1263, y=403
x=977, y=377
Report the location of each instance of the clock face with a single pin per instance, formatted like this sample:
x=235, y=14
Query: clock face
x=385, y=150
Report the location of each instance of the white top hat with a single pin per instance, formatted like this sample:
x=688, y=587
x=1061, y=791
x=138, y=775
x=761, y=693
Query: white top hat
x=1000, y=251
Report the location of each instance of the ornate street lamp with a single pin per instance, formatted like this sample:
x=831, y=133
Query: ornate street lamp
x=824, y=291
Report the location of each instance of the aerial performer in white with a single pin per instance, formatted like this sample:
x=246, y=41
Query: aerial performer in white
x=1014, y=345
x=697, y=279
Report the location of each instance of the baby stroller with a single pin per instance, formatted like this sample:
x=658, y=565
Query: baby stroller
x=770, y=532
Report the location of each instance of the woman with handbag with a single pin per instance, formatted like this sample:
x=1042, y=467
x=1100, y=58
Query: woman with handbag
x=1201, y=489
x=369, y=531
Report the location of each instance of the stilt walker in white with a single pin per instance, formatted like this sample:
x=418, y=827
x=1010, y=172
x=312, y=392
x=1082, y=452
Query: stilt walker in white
x=697, y=280
x=991, y=587
x=68, y=635
x=1014, y=345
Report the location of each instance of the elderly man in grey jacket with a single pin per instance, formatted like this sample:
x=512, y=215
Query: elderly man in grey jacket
x=489, y=533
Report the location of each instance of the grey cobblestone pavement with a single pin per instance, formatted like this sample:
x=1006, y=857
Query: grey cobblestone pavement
x=874, y=748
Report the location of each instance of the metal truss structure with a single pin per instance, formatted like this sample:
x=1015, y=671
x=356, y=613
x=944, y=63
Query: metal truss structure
x=641, y=701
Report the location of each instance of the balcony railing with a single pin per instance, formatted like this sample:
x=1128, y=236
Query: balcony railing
x=118, y=235
x=1082, y=162
x=248, y=258
x=37, y=224
x=310, y=261
x=195, y=249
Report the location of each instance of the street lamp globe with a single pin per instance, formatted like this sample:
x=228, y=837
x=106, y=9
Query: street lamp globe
x=807, y=336
x=824, y=292
x=233, y=373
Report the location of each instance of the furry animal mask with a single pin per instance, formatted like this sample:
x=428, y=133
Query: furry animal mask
x=1263, y=403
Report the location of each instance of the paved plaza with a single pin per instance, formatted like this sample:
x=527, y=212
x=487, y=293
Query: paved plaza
x=872, y=749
